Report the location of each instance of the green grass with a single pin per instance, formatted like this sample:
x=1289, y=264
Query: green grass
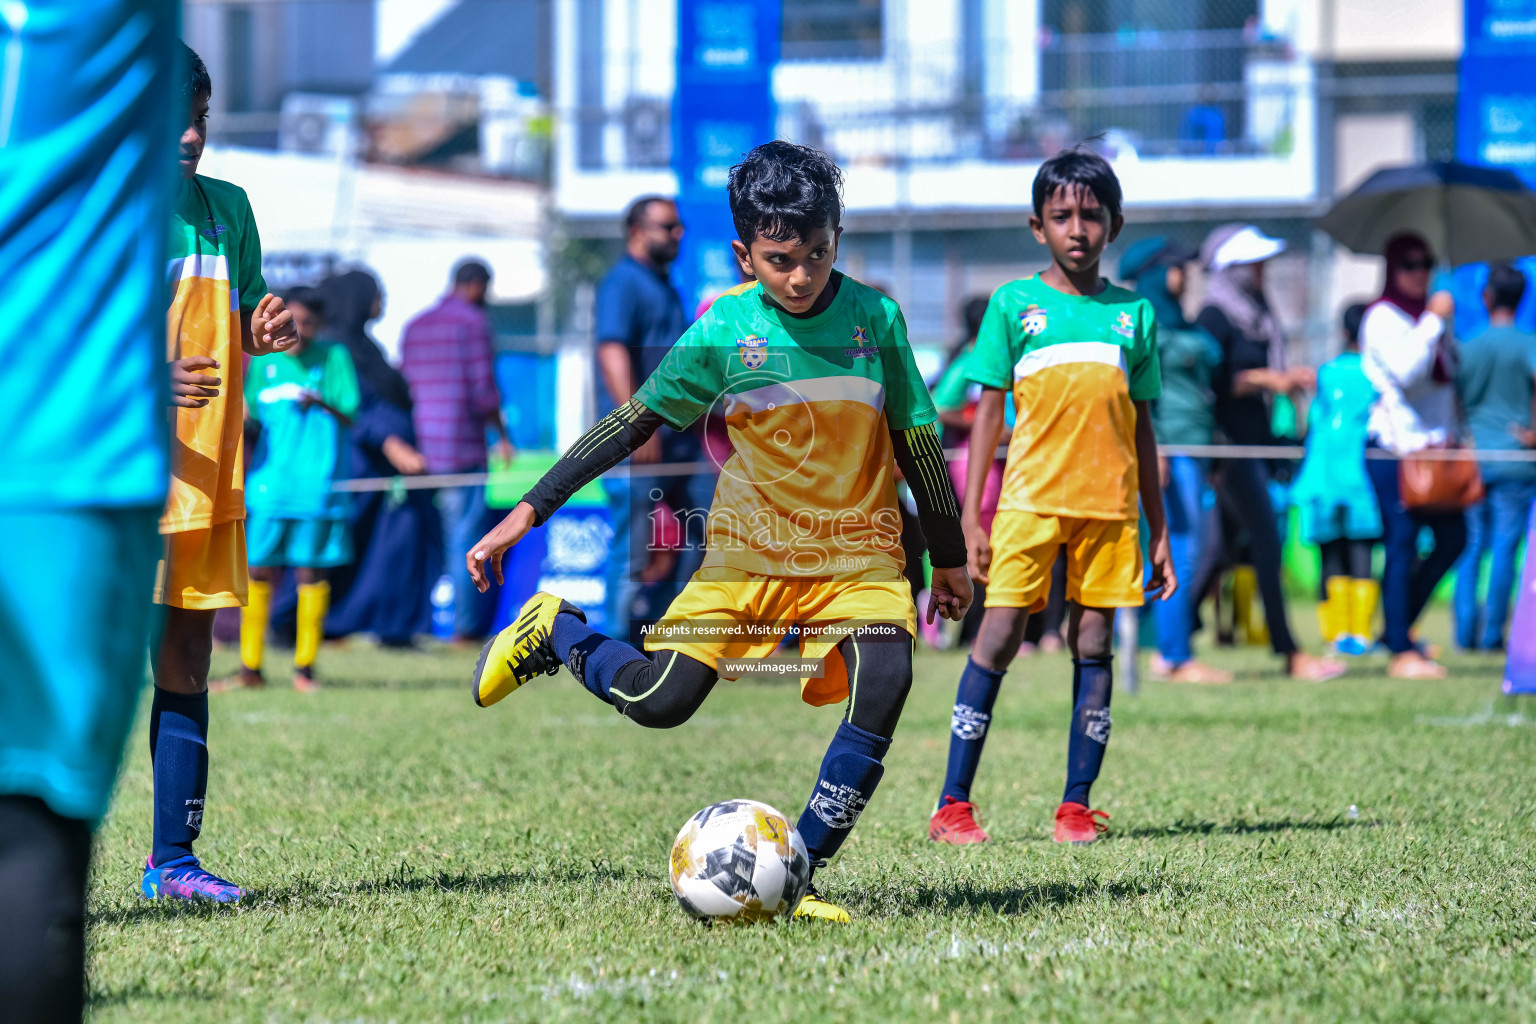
x=416, y=858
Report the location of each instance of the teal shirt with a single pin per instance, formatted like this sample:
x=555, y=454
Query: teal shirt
x=1333, y=472
x=303, y=449
x=1186, y=412
x=1496, y=380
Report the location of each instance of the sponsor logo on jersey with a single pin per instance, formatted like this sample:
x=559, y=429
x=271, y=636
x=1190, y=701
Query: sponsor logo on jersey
x=968, y=723
x=1124, y=325
x=754, y=351
x=861, y=349
x=1033, y=320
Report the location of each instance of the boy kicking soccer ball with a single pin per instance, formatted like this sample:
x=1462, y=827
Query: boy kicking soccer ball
x=1081, y=358
x=817, y=385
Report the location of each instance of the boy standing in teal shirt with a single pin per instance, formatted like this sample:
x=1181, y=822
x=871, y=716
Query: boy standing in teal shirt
x=304, y=399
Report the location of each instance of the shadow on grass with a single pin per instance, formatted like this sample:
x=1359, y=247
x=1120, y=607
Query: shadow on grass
x=1015, y=899
x=141, y=993
x=306, y=893
x=1242, y=827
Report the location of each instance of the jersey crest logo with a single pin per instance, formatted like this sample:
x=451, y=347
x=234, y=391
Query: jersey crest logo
x=1124, y=325
x=1033, y=320
x=754, y=351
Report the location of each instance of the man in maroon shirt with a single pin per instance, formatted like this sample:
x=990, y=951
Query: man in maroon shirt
x=446, y=356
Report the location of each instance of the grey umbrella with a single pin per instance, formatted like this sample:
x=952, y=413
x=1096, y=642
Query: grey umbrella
x=1466, y=213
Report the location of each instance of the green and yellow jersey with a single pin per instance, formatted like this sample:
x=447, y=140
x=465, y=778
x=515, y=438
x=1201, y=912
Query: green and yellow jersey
x=1076, y=364
x=809, y=490
x=215, y=275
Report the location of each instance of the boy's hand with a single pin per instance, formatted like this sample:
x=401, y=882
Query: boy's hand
x=1164, y=581
x=978, y=551
x=490, y=548
x=272, y=327
x=949, y=594
x=190, y=388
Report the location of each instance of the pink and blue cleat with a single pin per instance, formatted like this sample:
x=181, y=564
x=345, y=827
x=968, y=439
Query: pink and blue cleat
x=187, y=882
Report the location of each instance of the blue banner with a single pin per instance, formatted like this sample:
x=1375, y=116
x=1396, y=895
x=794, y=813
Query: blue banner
x=1496, y=103
x=723, y=106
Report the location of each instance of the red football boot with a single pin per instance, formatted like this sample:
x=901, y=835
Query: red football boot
x=1077, y=824
x=955, y=822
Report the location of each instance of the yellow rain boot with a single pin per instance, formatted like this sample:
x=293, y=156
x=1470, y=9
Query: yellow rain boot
x=1248, y=613
x=1334, y=612
x=1364, y=596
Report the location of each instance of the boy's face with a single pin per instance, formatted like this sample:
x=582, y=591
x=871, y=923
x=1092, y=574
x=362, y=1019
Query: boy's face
x=194, y=136
x=306, y=323
x=1075, y=228
x=793, y=272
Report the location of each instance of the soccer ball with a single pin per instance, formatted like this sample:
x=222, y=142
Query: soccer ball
x=739, y=860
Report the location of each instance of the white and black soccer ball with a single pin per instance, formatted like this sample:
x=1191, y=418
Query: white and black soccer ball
x=739, y=860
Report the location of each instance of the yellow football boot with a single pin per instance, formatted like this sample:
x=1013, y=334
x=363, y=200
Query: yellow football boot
x=814, y=908
x=521, y=651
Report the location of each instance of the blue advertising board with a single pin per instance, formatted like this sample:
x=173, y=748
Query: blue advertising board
x=722, y=107
x=1496, y=102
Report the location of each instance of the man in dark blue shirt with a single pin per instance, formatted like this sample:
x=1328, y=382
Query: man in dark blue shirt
x=1496, y=383
x=640, y=315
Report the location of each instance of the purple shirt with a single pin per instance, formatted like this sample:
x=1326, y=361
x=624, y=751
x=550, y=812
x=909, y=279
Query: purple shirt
x=445, y=354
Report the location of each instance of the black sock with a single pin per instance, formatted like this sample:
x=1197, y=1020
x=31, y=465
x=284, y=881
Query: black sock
x=1092, y=681
x=178, y=743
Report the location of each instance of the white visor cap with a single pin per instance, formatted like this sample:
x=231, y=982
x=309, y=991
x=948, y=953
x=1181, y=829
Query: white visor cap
x=1247, y=245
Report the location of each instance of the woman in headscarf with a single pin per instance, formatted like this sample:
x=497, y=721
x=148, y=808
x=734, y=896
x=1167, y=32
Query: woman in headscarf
x=1410, y=357
x=1253, y=370
x=387, y=590
x=1182, y=416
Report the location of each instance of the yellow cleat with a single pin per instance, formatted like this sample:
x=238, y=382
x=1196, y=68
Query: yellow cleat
x=521, y=651
x=814, y=908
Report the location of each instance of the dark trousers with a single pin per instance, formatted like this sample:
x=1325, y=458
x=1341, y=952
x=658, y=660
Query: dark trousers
x=1245, y=489
x=1407, y=581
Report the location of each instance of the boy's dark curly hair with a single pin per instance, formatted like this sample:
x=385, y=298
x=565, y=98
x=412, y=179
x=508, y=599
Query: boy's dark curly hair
x=783, y=191
x=195, y=81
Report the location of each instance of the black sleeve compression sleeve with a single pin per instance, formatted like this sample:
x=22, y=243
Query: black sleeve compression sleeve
x=607, y=444
x=921, y=459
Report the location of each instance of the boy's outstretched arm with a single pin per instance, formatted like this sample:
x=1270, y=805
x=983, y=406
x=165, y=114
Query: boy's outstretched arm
x=607, y=444
x=1163, y=577
x=921, y=459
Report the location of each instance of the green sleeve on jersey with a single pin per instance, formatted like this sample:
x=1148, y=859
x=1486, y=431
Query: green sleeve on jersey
x=340, y=387
x=950, y=392
x=1145, y=371
x=690, y=379
x=248, y=258
x=907, y=403
x=991, y=361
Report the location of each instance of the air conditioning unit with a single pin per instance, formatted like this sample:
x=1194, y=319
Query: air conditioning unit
x=647, y=132
x=319, y=124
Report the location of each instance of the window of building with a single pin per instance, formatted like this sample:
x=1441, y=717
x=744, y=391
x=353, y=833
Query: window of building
x=833, y=30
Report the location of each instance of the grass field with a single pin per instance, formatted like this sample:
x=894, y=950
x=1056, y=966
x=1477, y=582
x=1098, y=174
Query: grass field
x=416, y=858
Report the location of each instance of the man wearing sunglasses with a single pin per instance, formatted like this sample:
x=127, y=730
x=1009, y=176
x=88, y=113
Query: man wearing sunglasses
x=640, y=315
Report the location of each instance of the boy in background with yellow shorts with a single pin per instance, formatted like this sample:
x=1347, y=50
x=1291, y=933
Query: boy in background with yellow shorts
x=1080, y=356
x=822, y=400
x=219, y=307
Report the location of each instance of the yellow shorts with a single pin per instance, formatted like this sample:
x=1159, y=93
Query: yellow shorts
x=204, y=568
x=1103, y=561
x=746, y=616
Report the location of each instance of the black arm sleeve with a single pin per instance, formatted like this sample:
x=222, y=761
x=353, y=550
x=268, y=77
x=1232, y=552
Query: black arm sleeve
x=922, y=462
x=607, y=444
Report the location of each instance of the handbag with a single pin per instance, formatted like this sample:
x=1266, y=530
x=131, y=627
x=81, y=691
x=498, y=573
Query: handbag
x=1439, y=484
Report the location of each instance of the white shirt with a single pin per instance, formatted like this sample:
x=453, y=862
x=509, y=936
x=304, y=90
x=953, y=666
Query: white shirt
x=1413, y=411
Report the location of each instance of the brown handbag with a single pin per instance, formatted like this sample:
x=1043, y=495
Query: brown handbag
x=1429, y=484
